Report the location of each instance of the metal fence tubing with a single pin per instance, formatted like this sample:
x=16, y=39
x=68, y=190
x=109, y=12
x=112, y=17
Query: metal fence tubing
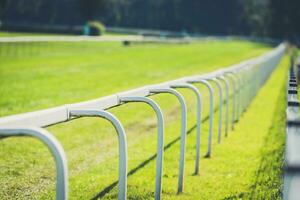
x=249, y=82
x=55, y=148
x=236, y=81
x=160, y=139
x=122, y=143
x=240, y=94
x=252, y=84
x=227, y=103
x=245, y=75
x=251, y=89
x=211, y=113
x=234, y=90
x=219, y=85
x=183, y=131
x=198, y=120
x=292, y=158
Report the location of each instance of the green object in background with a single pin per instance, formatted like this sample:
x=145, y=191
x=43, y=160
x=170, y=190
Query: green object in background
x=86, y=30
x=94, y=28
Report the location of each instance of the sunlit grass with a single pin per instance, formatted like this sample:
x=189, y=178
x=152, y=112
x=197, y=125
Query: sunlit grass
x=41, y=75
x=14, y=34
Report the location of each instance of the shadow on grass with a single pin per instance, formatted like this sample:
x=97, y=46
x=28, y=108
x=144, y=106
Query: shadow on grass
x=140, y=166
x=268, y=177
x=144, y=163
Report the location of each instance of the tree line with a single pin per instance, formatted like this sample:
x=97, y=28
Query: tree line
x=272, y=18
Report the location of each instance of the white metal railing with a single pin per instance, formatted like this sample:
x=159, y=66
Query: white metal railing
x=292, y=152
x=246, y=78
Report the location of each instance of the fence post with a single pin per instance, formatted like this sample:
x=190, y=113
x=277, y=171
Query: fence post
x=219, y=85
x=160, y=139
x=240, y=94
x=183, y=131
x=234, y=90
x=211, y=113
x=198, y=122
x=237, y=95
x=292, y=158
x=55, y=148
x=122, y=143
x=227, y=103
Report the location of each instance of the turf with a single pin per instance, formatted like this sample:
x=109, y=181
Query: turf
x=61, y=73
x=14, y=34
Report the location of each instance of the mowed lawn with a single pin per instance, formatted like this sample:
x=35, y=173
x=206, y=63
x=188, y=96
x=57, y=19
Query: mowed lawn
x=14, y=34
x=41, y=75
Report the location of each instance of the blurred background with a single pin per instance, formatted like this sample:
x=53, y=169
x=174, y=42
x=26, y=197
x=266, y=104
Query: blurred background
x=268, y=18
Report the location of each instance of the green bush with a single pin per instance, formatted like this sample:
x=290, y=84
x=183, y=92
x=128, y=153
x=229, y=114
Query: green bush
x=96, y=28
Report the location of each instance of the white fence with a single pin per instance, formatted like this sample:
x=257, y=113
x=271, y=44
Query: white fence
x=242, y=81
x=292, y=153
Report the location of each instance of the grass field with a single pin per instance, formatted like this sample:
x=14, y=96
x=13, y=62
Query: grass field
x=14, y=34
x=58, y=73
x=49, y=74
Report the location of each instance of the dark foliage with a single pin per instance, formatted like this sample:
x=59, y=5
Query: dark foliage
x=89, y=9
x=2, y=7
x=285, y=17
x=275, y=18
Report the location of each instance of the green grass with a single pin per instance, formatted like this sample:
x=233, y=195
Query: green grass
x=14, y=34
x=47, y=75
x=59, y=73
x=117, y=34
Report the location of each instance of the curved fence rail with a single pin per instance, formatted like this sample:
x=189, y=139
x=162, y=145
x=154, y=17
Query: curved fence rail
x=292, y=153
x=246, y=78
